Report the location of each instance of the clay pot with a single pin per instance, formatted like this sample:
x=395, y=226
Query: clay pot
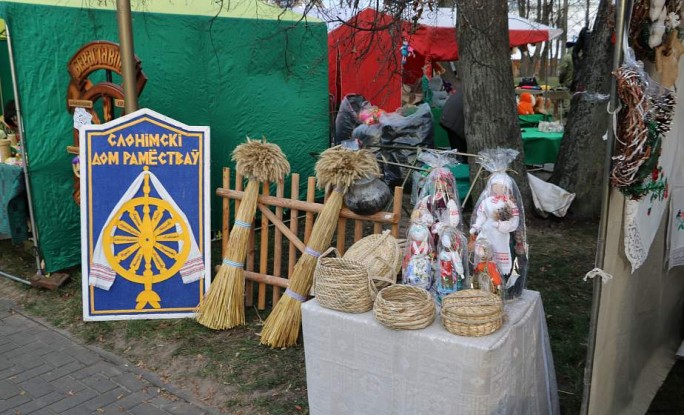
x=367, y=196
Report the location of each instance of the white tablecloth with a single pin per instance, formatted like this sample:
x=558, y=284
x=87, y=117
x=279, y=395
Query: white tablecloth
x=356, y=366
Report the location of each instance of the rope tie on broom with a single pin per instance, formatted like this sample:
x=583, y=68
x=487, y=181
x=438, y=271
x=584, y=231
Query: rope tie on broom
x=295, y=295
x=242, y=224
x=312, y=252
x=232, y=263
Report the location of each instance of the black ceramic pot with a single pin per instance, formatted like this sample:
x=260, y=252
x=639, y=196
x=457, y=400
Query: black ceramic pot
x=367, y=196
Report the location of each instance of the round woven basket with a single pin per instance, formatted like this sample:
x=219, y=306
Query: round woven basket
x=342, y=284
x=404, y=307
x=472, y=313
x=381, y=254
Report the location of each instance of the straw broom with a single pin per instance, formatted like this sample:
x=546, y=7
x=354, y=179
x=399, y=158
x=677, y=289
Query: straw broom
x=337, y=168
x=223, y=306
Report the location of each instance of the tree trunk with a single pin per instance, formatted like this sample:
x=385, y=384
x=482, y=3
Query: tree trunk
x=491, y=118
x=579, y=168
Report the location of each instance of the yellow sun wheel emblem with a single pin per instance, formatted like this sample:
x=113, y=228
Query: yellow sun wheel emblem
x=146, y=242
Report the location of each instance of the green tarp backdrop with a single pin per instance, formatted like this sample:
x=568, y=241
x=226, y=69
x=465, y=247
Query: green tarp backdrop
x=244, y=73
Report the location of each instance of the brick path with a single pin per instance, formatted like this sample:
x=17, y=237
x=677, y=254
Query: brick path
x=45, y=371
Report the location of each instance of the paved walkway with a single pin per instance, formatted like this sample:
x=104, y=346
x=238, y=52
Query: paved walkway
x=45, y=371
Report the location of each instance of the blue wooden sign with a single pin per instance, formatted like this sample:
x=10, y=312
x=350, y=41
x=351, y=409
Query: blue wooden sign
x=144, y=217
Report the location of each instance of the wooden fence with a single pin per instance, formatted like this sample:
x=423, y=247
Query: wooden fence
x=292, y=218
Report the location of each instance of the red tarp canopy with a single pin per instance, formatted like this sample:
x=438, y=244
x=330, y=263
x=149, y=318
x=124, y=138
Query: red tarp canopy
x=367, y=61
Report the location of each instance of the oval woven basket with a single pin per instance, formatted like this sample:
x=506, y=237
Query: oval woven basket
x=342, y=284
x=404, y=307
x=381, y=254
x=472, y=313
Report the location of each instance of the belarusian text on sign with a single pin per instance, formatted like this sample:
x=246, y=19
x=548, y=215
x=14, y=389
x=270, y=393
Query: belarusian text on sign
x=144, y=217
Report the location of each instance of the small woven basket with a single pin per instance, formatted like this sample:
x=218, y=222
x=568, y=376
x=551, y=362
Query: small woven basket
x=472, y=313
x=341, y=284
x=381, y=254
x=404, y=307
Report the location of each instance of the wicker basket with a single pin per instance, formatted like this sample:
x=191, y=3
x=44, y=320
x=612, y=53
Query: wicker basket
x=341, y=284
x=404, y=307
x=381, y=253
x=472, y=313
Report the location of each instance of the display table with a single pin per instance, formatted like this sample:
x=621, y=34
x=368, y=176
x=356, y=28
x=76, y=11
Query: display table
x=532, y=120
x=13, y=202
x=540, y=147
x=356, y=366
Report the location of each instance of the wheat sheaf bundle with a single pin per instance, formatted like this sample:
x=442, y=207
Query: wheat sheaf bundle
x=223, y=307
x=337, y=168
x=261, y=161
x=340, y=168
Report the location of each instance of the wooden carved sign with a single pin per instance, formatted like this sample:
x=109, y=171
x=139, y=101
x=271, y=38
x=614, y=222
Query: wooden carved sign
x=102, y=97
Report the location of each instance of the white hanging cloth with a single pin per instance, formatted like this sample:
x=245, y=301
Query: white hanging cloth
x=101, y=273
x=548, y=197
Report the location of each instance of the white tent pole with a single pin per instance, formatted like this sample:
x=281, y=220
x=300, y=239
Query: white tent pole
x=622, y=10
x=20, y=125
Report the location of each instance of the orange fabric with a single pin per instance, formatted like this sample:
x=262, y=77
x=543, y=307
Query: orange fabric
x=491, y=270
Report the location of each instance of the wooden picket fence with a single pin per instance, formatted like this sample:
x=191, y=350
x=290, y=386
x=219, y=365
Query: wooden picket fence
x=273, y=262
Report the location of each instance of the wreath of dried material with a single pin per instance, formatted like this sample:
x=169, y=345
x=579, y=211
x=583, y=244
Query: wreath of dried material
x=642, y=122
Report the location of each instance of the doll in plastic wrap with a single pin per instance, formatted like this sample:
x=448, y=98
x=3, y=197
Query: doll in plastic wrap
x=438, y=194
x=498, y=217
x=451, y=252
x=417, y=264
x=486, y=274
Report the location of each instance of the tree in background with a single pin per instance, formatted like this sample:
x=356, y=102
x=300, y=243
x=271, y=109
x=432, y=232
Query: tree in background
x=579, y=168
x=490, y=111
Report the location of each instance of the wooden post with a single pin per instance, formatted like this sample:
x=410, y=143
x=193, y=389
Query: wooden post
x=396, y=209
x=294, y=223
x=278, y=244
x=263, y=254
x=310, y=197
x=225, y=226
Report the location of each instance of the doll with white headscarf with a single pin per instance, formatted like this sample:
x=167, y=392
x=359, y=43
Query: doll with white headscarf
x=496, y=218
x=499, y=219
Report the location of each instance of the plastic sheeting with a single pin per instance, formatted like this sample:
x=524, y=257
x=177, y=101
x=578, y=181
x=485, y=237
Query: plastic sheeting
x=240, y=76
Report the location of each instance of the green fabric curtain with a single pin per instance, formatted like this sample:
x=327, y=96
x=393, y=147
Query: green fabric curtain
x=241, y=77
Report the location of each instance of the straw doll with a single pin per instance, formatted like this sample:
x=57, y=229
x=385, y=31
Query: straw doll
x=336, y=170
x=223, y=307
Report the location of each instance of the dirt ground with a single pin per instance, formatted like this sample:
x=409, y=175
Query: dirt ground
x=231, y=371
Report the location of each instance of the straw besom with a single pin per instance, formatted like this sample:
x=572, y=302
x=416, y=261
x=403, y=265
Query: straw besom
x=223, y=306
x=337, y=168
x=404, y=307
x=472, y=313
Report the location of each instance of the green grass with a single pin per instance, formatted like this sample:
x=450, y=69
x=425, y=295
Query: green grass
x=560, y=254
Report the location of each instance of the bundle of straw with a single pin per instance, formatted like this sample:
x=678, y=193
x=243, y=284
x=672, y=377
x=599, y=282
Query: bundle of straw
x=223, y=306
x=337, y=168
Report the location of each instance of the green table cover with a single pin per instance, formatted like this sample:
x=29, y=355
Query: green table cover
x=540, y=147
x=532, y=120
x=14, y=211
